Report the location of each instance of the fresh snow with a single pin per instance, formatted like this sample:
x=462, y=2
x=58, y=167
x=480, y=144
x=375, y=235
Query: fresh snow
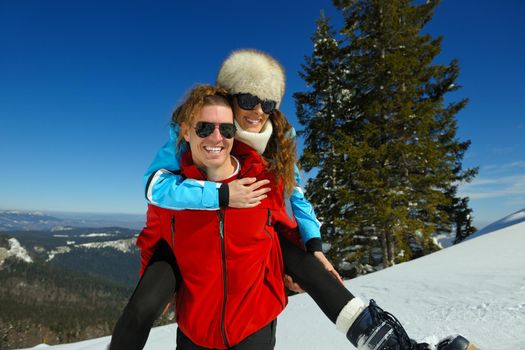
x=476, y=288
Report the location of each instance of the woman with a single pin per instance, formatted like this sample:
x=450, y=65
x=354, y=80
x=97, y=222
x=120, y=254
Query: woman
x=256, y=83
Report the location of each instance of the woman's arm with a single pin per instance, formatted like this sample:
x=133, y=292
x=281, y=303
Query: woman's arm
x=309, y=229
x=303, y=211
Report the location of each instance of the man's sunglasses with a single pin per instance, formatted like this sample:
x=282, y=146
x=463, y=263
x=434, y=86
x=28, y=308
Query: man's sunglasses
x=249, y=102
x=205, y=129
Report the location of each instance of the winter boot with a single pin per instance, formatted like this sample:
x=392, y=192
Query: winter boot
x=375, y=329
x=372, y=328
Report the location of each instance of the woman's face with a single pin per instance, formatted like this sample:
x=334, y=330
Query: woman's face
x=212, y=151
x=249, y=120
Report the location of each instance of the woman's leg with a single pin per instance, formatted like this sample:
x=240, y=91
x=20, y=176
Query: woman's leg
x=369, y=325
x=330, y=295
x=154, y=290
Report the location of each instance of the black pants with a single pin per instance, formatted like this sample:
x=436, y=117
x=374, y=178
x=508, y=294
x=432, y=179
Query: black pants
x=263, y=339
x=153, y=292
x=322, y=287
x=161, y=276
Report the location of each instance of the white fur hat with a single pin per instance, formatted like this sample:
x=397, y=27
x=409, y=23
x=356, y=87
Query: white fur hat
x=254, y=72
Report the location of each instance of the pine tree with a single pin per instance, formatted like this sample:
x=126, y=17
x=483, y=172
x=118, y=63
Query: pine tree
x=379, y=132
x=319, y=109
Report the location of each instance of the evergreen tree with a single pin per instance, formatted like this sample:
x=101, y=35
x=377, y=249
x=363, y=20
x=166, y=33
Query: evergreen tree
x=319, y=109
x=379, y=132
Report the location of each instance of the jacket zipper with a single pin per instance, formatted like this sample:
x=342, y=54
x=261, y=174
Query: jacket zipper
x=223, y=251
x=268, y=223
x=172, y=231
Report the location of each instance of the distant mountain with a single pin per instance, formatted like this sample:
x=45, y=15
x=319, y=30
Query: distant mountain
x=17, y=220
x=65, y=283
x=37, y=220
x=109, y=252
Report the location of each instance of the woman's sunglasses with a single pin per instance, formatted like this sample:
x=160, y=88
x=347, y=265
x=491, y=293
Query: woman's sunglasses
x=249, y=102
x=205, y=129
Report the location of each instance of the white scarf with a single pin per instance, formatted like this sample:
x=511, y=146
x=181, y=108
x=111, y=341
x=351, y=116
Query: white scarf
x=257, y=141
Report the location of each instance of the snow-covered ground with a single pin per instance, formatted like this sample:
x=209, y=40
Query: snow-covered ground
x=476, y=288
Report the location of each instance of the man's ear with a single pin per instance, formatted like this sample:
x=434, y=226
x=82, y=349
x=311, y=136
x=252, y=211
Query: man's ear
x=185, y=129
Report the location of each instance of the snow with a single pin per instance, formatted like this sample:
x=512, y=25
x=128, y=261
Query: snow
x=510, y=220
x=476, y=288
x=444, y=240
x=123, y=245
x=61, y=228
x=15, y=250
x=96, y=234
x=59, y=250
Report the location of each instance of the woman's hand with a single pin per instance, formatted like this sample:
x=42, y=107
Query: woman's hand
x=169, y=309
x=294, y=287
x=328, y=265
x=291, y=285
x=247, y=192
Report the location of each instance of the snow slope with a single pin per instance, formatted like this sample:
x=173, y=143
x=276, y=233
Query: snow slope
x=512, y=219
x=476, y=288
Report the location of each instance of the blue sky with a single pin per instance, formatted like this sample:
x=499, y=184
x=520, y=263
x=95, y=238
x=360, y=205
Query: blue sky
x=87, y=89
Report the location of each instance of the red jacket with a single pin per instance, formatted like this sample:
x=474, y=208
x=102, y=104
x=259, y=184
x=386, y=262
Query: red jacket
x=230, y=259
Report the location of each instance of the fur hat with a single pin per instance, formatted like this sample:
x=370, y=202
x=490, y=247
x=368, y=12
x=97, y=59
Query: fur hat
x=254, y=72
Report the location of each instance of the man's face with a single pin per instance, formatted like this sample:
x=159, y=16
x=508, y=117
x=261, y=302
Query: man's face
x=212, y=151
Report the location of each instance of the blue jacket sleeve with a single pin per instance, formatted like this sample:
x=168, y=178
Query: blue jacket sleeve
x=166, y=188
x=309, y=226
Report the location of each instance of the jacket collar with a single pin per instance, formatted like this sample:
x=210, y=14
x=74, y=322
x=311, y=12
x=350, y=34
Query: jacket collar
x=252, y=164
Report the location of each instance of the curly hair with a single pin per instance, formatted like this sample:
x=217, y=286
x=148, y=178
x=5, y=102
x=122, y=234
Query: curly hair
x=196, y=99
x=280, y=151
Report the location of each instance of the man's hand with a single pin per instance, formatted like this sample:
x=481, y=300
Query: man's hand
x=328, y=265
x=247, y=192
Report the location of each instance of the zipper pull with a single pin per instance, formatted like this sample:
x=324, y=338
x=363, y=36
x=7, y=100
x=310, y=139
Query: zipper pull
x=221, y=223
x=172, y=231
x=269, y=222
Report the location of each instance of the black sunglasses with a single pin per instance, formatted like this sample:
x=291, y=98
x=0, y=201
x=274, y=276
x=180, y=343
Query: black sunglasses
x=249, y=102
x=205, y=129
